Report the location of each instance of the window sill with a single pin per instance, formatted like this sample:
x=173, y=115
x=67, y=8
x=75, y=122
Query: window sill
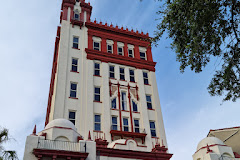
x=74, y=71
x=123, y=80
x=114, y=109
x=136, y=112
x=72, y=98
x=75, y=48
x=155, y=137
x=112, y=78
x=98, y=131
x=97, y=76
x=132, y=82
x=125, y=111
x=147, y=84
x=97, y=101
x=151, y=109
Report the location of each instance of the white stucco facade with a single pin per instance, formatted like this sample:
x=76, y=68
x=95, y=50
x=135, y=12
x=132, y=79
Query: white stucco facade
x=73, y=92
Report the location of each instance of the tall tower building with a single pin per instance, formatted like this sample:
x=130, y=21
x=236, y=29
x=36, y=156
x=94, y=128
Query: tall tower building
x=103, y=100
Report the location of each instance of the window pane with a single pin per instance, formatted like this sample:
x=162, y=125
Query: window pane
x=137, y=130
x=74, y=68
x=75, y=45
x=130, y=53
x=74, y=61
x=97, y=73
x=112, y=75
x=149, y=105
x=146, y=81
x=134, y=106
x=73, y=86
x=114, y=103
x=76, y=16
x=97, y=98
x=145, y=74
x=132, y=79
x=122, y=77
x=97, y=127
x=125, y=121
x=109, y=49
x=126, y=129
x=121, y=70
x=73, y=94
x=142, y=55
x=120, y=49
x=111, y=68
x=97, y=90
x=75, y=39
x=148, y=98
x=114, y=127
x=97, y=66
x=97, y=118
x=114, y=120
x=96, y=44
x=73, y=121
x=136, y=123
x=152, y=125
x=71, y=115
x=153, y=133
x=131, y=72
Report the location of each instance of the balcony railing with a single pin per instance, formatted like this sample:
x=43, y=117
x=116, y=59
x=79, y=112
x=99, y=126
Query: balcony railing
x=59, y=145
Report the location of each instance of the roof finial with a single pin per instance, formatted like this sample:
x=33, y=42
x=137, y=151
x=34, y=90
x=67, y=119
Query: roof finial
x=34, y=130
x=89, y=136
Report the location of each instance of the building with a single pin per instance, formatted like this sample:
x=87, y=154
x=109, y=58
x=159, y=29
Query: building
x=103, y=100
x=220, y=144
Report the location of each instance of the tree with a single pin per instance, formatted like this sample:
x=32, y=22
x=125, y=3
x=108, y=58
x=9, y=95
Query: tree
x=5, y=154
x=203, y=31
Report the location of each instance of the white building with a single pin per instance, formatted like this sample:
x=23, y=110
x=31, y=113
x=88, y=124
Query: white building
x=103, y=100
x=220, y=144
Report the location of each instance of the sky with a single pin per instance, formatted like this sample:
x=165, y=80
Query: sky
x=27, y=36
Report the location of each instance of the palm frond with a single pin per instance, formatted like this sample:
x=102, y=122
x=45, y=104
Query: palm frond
x=4, y=136
x=10, y=155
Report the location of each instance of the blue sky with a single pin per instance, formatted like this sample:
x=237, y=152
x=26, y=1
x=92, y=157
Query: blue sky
x=27, y=36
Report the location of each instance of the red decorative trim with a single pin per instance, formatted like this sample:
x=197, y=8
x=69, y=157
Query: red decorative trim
x=76, y=22
x=122, y=80
x=75, y=48
x=210, y=146
x=119, y=103
x=72, y=98
x=125, y=111
x=147, y=84
x=59, y=154
x=74, y=71
x=97, y=76
x=114, y=109
x=136, y=112
x=236, y=155
x=126, y=143
x=151, y=109
x=109, y=152
x=97, y=101
x=115, y=30
x=132, y=82
x=108, y=57
x=128, y=134
x=54, y=70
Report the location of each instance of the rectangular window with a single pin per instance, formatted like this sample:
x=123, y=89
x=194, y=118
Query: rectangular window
x=132, y=77
x=136, y=126
x=76, y=16
x=153, y=129
x=96, y=69
x=120, y=51
x=73, y=90
x=125, y=125
x=149, y=102
x=135, y=108
x=145, y=78
x=109, y=48
x=97, y=122
x=114, y=103
x=97, y=97
x=143, y=55
x=72, y=116
x=75, y=42
x=122, y=74
x=111, y=72
x=114, y=123
x=124, y=101
x=74, y=64
x=130, y=53
x=96, y=46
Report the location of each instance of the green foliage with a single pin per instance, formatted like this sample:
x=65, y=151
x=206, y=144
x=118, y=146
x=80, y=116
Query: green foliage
x=201, y=30
x=4, y=154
